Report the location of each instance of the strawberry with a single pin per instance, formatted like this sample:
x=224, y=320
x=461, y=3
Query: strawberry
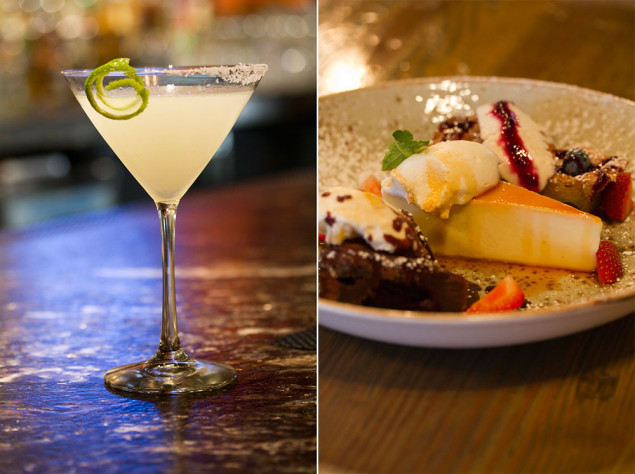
x=609, y=263
x=616, y=197
x=372, y=185
x=321, y=237
x=506, y=296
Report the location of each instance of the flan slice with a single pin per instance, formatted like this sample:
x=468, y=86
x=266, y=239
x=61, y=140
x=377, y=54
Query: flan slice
x=512, y=224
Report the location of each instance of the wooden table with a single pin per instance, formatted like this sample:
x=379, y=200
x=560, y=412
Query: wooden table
x=564, y=406
x=82, y=295
x=590, y=44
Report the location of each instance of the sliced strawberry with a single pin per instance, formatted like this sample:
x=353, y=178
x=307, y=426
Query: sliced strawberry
x=506, y=296
x=609, y=263
x=372, y=185
x=617, y=197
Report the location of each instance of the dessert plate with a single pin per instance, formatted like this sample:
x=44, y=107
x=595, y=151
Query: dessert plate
x=355, y=129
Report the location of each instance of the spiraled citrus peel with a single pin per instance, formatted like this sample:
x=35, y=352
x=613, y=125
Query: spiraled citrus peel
x=132, y=80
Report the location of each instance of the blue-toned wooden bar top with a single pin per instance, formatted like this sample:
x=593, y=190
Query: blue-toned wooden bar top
x=81, y=295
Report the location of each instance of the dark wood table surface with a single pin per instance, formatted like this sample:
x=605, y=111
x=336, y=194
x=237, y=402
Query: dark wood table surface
x=565, y=405
x=81, y=295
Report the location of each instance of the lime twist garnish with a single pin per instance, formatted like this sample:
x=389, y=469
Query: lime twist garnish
x=132, y=80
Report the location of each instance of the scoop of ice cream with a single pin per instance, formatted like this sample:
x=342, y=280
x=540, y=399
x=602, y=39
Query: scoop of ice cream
x=445, y=174
x=524, y=153
x=348, y=213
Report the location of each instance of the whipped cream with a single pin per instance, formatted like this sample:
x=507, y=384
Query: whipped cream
x=443, y=175
x=524, y=153
x=348, y=213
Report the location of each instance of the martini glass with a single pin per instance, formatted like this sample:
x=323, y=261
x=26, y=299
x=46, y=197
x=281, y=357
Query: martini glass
x=190, y=111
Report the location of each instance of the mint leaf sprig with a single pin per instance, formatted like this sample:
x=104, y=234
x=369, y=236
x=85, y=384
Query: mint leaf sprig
x=404, y=146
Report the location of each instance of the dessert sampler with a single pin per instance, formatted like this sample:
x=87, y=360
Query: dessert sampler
x=487, y=186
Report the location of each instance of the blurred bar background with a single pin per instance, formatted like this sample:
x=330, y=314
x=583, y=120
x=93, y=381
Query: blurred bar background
x=52, y=160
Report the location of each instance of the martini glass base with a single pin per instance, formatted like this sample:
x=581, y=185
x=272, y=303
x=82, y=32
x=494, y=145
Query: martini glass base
x=170, y=372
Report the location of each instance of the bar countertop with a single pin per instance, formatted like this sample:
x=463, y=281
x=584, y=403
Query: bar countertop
x=83, y=294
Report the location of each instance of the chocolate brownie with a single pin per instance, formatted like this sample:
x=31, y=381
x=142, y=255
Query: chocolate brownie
x=355, y=273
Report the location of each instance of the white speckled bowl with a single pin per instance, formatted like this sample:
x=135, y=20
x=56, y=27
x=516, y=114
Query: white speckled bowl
x=354, y=132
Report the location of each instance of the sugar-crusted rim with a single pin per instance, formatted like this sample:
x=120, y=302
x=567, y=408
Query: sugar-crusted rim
x=243, y=74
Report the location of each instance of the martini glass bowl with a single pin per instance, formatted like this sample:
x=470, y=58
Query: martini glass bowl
x=188, y=113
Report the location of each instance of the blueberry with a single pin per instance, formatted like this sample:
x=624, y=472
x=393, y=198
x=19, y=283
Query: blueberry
x=576, y=161
x=571, y=167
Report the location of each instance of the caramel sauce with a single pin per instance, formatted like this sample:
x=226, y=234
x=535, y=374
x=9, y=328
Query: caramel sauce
x=537, y=282
x=508, y=193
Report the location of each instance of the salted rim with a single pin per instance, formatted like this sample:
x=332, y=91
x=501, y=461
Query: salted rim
x=462, y=317
x=243, y=74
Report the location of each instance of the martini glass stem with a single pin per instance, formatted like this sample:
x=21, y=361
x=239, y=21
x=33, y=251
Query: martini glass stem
x=170, y=370
x=169, y=326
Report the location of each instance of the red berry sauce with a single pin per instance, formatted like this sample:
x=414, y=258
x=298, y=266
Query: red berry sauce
x=520, y=160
